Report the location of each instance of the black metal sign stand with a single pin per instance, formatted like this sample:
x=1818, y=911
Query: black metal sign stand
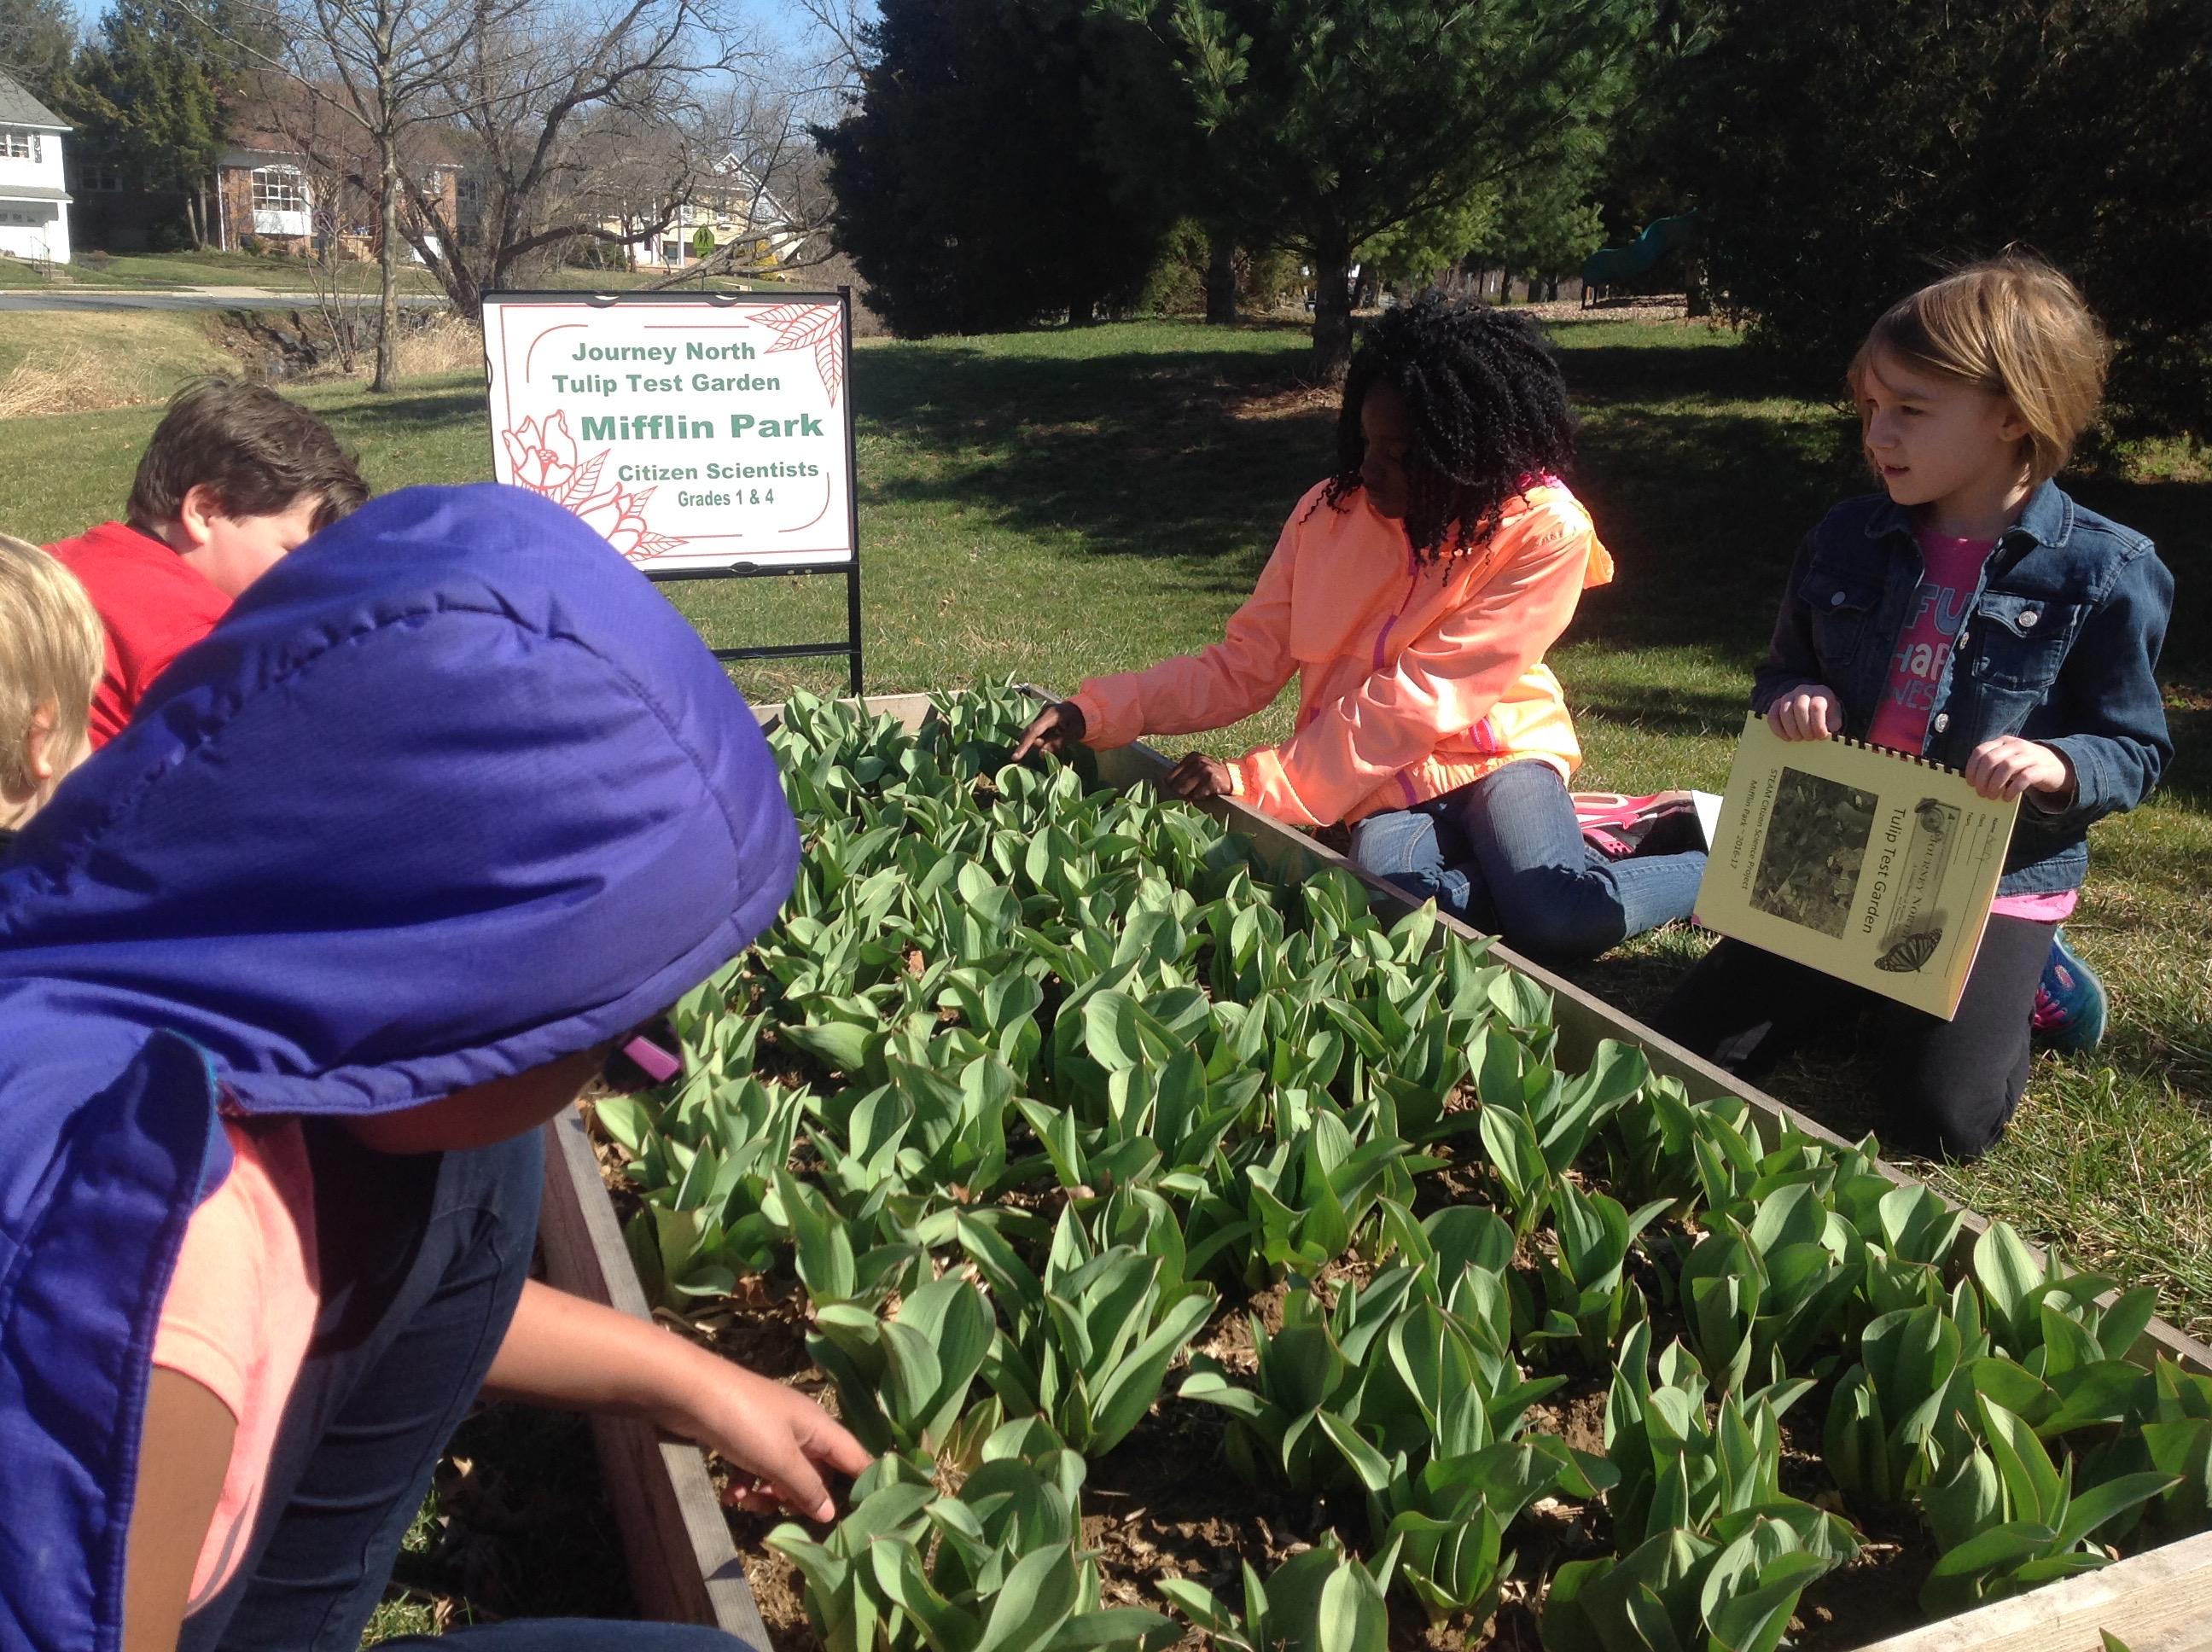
x=851, y=647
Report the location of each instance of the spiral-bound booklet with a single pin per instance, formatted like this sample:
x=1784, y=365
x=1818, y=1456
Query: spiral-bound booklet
x=1858, y=861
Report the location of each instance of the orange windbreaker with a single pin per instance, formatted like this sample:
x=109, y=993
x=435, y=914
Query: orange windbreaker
x=1413, y=681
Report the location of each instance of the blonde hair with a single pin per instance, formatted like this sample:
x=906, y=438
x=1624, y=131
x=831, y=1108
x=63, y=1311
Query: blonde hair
x=51, y=653
x=2013, y=326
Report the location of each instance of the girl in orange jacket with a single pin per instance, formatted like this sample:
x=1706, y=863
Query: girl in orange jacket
x=1414, y=594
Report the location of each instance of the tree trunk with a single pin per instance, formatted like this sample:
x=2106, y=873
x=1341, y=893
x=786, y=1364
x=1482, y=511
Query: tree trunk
x=1078, y=310
x=192, y=220
x=1332, y=330
x=388, y=302
x=1697, y=298
x=1221, y=279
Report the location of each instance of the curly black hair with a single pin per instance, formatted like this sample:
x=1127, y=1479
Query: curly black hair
x=1489, y=411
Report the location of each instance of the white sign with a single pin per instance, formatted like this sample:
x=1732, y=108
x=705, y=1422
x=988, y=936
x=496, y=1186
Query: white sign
x=696, y=431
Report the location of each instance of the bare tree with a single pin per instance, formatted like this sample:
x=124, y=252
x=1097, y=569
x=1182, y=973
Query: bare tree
x=835, y=46
x=384, y=69
x=577, y=120
x=769, y=183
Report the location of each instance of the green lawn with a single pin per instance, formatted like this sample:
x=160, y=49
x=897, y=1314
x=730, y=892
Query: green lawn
x=1058, y=503
x=154, y=271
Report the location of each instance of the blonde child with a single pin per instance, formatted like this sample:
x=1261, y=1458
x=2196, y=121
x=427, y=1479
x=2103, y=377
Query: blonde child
x=1971, y=613
x=49, y=663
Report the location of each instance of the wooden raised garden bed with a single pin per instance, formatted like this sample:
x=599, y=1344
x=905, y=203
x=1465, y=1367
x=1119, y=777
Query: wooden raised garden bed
x=685, y=1569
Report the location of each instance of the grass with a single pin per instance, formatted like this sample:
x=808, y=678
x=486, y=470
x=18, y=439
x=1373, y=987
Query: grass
x=153, y=271
x=1058, y=504
x=156, y=271
x=74, y=359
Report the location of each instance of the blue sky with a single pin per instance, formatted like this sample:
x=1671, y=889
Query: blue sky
x=784, y=15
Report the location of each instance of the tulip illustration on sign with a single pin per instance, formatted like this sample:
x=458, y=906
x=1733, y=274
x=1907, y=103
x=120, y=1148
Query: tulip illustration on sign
x=541, y=454
x=810, y=327
x=619, y=517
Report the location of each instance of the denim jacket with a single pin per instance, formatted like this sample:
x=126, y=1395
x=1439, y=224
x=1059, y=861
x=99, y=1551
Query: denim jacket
x=2059, y=645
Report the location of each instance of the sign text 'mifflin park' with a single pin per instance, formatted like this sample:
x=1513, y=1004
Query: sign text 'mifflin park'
x=694, y=433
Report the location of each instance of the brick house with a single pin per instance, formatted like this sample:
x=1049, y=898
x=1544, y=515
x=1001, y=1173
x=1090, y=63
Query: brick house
x=297, y=175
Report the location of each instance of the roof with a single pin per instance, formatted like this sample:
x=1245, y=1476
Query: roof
x=19, y=108
x=294, y=122
x=33, y=193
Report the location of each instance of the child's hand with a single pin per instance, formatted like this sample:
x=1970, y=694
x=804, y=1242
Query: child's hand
x=777, y=1440
x=1054, y=729
x=1199, y=776
x=2009, y=766
x=1808, y=712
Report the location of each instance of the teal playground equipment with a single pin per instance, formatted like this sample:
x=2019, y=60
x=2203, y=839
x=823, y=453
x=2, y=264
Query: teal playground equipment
x=1610, y=264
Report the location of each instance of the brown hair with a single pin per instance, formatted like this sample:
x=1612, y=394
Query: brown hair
x=2014, y=327
x=51, y=651
x=260, y=453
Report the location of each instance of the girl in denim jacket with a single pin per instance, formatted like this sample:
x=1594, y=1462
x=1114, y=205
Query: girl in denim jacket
x=1973, y=614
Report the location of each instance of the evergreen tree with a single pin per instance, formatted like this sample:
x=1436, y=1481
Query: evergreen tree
x=152, y=87
x=971, y=194
x=1348, y=118
x=38, y=41
x=1546, y=223
x=1843, y=152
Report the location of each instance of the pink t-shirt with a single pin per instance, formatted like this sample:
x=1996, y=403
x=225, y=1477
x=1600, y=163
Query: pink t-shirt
x=1952, y=567
x=241, y=1308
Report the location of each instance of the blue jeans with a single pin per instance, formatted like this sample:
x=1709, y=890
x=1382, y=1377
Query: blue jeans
x=1505, y=855
x=422, y=1260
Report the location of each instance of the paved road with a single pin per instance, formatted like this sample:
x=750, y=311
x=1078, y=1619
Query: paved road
x=186, y=298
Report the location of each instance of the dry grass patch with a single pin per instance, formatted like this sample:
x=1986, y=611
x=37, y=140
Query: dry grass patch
x=64, y=361
x=445, y=344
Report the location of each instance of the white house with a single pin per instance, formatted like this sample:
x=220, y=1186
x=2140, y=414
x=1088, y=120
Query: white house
x=33, y=204
x=734, y=205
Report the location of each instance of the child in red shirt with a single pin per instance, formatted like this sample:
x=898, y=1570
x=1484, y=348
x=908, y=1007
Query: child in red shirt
x=234, y=477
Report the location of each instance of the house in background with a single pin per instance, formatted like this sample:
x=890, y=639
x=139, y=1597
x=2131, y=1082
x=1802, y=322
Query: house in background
x=35, y=202
x=290, y=180
x=730, y=205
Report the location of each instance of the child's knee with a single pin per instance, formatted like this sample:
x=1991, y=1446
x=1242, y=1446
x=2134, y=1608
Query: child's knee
x=1560, y=920
x=1396, y=845
x=1951, y=1112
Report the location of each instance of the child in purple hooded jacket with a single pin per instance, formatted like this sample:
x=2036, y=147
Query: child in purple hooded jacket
x=385, y=870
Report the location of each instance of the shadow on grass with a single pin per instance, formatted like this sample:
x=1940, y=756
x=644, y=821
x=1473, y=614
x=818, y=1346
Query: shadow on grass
x=412, y=413
x=1198, y=455
x=1155, y=455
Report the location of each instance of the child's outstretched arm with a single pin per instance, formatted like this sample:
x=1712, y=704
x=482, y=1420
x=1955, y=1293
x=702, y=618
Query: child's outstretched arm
x=562, y=1351
x=1446, y=680
x=1218, y=685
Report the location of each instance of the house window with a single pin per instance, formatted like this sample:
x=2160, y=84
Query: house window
x=279, y=189
x=20, y=146
x=671, y=252
x=100, y=178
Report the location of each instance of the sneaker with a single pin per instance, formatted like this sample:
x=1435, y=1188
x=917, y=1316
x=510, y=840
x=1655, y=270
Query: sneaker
x=2069, y=1001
